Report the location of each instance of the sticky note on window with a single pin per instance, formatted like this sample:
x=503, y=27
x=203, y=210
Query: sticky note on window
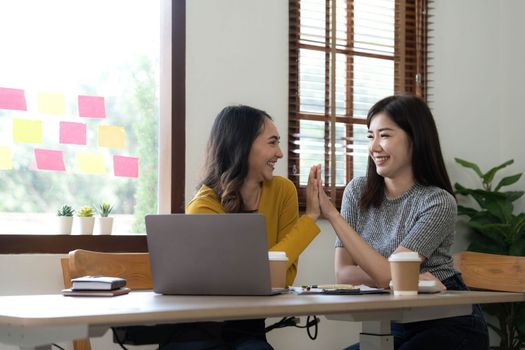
x=126, y=166
x=91, y=163
x=5, y=158
x=28, y=131
x=12, y=99
x=111, y=136
x=91, y=107
x=73, y=133
x=49, y=160
x=51, y=103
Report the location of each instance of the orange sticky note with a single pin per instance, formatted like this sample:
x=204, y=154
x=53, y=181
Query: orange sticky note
x=91, y=163
x=126, y=166
x=28, y=131
x=49, y=160
x=51, y=103
x=5, y=158
x=111, y=136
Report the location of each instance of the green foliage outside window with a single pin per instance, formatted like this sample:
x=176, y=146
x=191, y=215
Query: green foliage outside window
x=147, y=132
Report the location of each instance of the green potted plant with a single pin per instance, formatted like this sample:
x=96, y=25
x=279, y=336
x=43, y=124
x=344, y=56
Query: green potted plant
x=65, y=219
x=87, y=221
x=497, y=230
x=104, y=220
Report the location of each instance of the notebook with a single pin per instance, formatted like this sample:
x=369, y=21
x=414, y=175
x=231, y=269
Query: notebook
x=209, y=254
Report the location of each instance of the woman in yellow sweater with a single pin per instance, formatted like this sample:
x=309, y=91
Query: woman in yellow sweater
x=243, y=149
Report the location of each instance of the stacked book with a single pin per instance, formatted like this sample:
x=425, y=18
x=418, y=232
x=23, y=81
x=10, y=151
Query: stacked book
x=97, y=286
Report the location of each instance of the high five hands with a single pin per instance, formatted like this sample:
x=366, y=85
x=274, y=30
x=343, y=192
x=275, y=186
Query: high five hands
x=313, y=208
x=317, y=201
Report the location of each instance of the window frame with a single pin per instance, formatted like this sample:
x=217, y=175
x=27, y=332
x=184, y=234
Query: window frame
x=176, y=93
x=410, y=72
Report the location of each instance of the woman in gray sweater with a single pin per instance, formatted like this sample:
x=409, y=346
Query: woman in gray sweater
x=405, y=203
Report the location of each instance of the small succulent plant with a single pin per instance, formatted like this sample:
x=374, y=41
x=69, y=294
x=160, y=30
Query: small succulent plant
x=66, y=210
x=85, y=212
x=104, y=209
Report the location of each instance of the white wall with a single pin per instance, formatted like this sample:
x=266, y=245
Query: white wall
x=477, y=87
x=477, y=92
x=237, y=53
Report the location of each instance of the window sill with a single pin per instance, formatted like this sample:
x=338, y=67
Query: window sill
x=63, y=244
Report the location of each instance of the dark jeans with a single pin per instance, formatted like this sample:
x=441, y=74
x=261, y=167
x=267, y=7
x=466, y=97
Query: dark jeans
x=229, y=335
x=452, y=333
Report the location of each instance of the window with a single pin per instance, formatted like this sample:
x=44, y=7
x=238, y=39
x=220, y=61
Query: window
x=126, y=80
x=345, y=55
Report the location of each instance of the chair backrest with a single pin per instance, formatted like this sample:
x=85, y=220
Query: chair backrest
x=492, y=271
x=134, y=267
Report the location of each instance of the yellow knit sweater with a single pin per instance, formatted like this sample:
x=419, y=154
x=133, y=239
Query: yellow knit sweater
x=285, y=230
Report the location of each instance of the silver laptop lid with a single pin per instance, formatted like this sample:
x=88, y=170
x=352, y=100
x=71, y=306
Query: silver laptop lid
x=208, y=254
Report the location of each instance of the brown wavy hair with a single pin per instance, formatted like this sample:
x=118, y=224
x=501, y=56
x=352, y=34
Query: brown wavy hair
x=233, y=132
x=412, y=115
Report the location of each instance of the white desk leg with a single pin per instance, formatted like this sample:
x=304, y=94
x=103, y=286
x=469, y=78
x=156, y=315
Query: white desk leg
x=376, y=335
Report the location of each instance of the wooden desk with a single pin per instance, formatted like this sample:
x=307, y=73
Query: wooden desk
x=35, y=321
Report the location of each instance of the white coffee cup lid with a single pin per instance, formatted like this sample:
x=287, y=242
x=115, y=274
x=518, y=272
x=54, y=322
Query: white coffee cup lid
x=281, y=256
x=404, y=256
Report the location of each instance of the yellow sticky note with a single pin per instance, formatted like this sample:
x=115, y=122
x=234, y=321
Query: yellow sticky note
x=51, y=103
x=91, y=163
x=111, y=136
x=5, y=158
x=25, y=130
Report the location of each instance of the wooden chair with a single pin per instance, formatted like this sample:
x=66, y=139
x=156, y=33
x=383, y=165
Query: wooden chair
x=491, y=271
x=134, y=267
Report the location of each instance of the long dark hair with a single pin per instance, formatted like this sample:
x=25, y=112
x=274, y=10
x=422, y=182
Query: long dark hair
x=233, y=132
x=412, y=115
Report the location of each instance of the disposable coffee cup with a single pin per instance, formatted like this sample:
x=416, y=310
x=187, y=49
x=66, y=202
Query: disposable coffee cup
x=278, y=264
x=404, y=269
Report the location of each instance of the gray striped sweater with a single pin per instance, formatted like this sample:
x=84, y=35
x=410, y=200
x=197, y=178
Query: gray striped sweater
x=422, y=220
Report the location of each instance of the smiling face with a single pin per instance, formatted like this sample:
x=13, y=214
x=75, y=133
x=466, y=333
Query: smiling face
x=390, y=148
x=264, y=153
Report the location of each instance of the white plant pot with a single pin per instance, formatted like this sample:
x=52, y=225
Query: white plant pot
x=105, y=225
x=64, y=224
x=86, y=225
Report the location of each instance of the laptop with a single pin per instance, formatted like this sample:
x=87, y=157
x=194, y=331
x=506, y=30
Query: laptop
x=209, y=254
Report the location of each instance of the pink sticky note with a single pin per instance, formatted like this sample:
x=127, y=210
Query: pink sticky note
x=49, y=160
x=126, y=166
x=73, y=133
x=12, y=99
x=91, y=107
